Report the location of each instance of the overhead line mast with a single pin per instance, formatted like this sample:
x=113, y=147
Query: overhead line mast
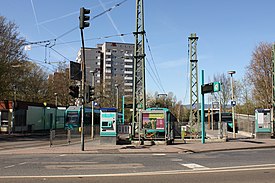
x=194, y=92
x=139, y=95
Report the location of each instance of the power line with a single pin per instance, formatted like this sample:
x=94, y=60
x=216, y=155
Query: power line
x=156, y=83
x=71, y=30
x=98, y=38
x=108, y=10
x=59, y=53
x=155, y=71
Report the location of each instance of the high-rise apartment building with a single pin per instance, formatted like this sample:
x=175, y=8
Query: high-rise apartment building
x=112, y=64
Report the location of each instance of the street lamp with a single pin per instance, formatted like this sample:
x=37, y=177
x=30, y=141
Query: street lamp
x=232, y=105
x=116, y=85
x=55, y=94
x=92, y=122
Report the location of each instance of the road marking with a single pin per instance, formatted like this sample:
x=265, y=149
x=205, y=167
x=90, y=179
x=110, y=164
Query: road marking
x=23, y=163
x=159, y=154
x=10, y=166
x=95, y=166
x=176, y=159
x=194, y=166
x=61, y=155
x=170, y=172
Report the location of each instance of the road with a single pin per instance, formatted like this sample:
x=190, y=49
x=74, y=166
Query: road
x=231, y=166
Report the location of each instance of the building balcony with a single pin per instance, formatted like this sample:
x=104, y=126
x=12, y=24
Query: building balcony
x=128, y=60
x=128, y=90
x=128, y=66
x=128, y=78
x=128, y=54
x=128, y=84
x=128, y=72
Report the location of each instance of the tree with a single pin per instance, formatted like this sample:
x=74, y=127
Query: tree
x=58, y=84
x=11, y=54
x=245, y=102
x=32, y=85
x=225, y=89
x=259, y=73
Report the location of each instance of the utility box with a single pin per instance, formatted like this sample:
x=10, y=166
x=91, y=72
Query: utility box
x=108, y=125
x=262, y=123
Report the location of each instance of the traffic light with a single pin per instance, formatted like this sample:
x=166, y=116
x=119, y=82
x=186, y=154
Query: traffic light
x=83, y=18
x=91, y=93
x=74, y=91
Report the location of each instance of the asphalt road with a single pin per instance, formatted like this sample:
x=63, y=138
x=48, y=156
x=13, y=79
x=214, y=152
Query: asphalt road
x=230, y=166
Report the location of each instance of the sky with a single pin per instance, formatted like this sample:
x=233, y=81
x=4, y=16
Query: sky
x=228, y=33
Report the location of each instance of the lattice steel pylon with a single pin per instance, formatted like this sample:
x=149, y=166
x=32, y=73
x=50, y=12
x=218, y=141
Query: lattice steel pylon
x=139, y=95
x=194, y=92
x=273, y=90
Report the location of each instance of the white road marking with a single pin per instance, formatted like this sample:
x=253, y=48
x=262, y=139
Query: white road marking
x=172, y=172
x=176, y=159
x=195, y=166
x=23, y=163
x=159, y=154
x=61, y=155
x=10, y=166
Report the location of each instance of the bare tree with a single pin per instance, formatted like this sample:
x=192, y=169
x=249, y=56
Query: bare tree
x=225, y=89
x=259, y=73
x=58, y=84
x=245, y=102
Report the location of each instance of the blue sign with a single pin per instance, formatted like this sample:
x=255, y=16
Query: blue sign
x=233, y=103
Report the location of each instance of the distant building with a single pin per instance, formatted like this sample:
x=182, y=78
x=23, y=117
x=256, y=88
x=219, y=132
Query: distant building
x=112, y=64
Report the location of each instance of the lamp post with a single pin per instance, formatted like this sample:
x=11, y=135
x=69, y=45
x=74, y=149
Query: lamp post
x=92, y=122
x=116, y=85
x=55, y=94
x=233, y=115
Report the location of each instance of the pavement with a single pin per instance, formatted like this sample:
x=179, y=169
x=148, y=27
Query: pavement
x=212, y=143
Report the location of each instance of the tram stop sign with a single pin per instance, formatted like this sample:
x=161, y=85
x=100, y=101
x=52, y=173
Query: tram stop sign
x=216, y=86
x=211, y=87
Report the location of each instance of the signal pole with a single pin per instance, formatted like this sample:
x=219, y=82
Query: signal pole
x=82, y=24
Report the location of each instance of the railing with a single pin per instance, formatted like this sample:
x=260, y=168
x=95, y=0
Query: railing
x=246, y=123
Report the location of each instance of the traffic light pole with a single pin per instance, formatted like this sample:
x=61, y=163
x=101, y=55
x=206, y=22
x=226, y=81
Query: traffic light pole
x=82, y=24
x=82, y=91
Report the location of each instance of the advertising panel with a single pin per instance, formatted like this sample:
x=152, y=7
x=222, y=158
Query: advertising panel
x=153, y=120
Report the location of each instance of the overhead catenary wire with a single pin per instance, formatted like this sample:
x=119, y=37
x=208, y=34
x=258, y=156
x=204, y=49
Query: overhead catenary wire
x=98, y=38
x=154, y=70
x=94, y=17
x=153, y=77
x=47, y=42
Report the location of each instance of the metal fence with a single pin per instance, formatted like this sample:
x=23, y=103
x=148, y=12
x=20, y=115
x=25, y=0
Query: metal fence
x=246, y=123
